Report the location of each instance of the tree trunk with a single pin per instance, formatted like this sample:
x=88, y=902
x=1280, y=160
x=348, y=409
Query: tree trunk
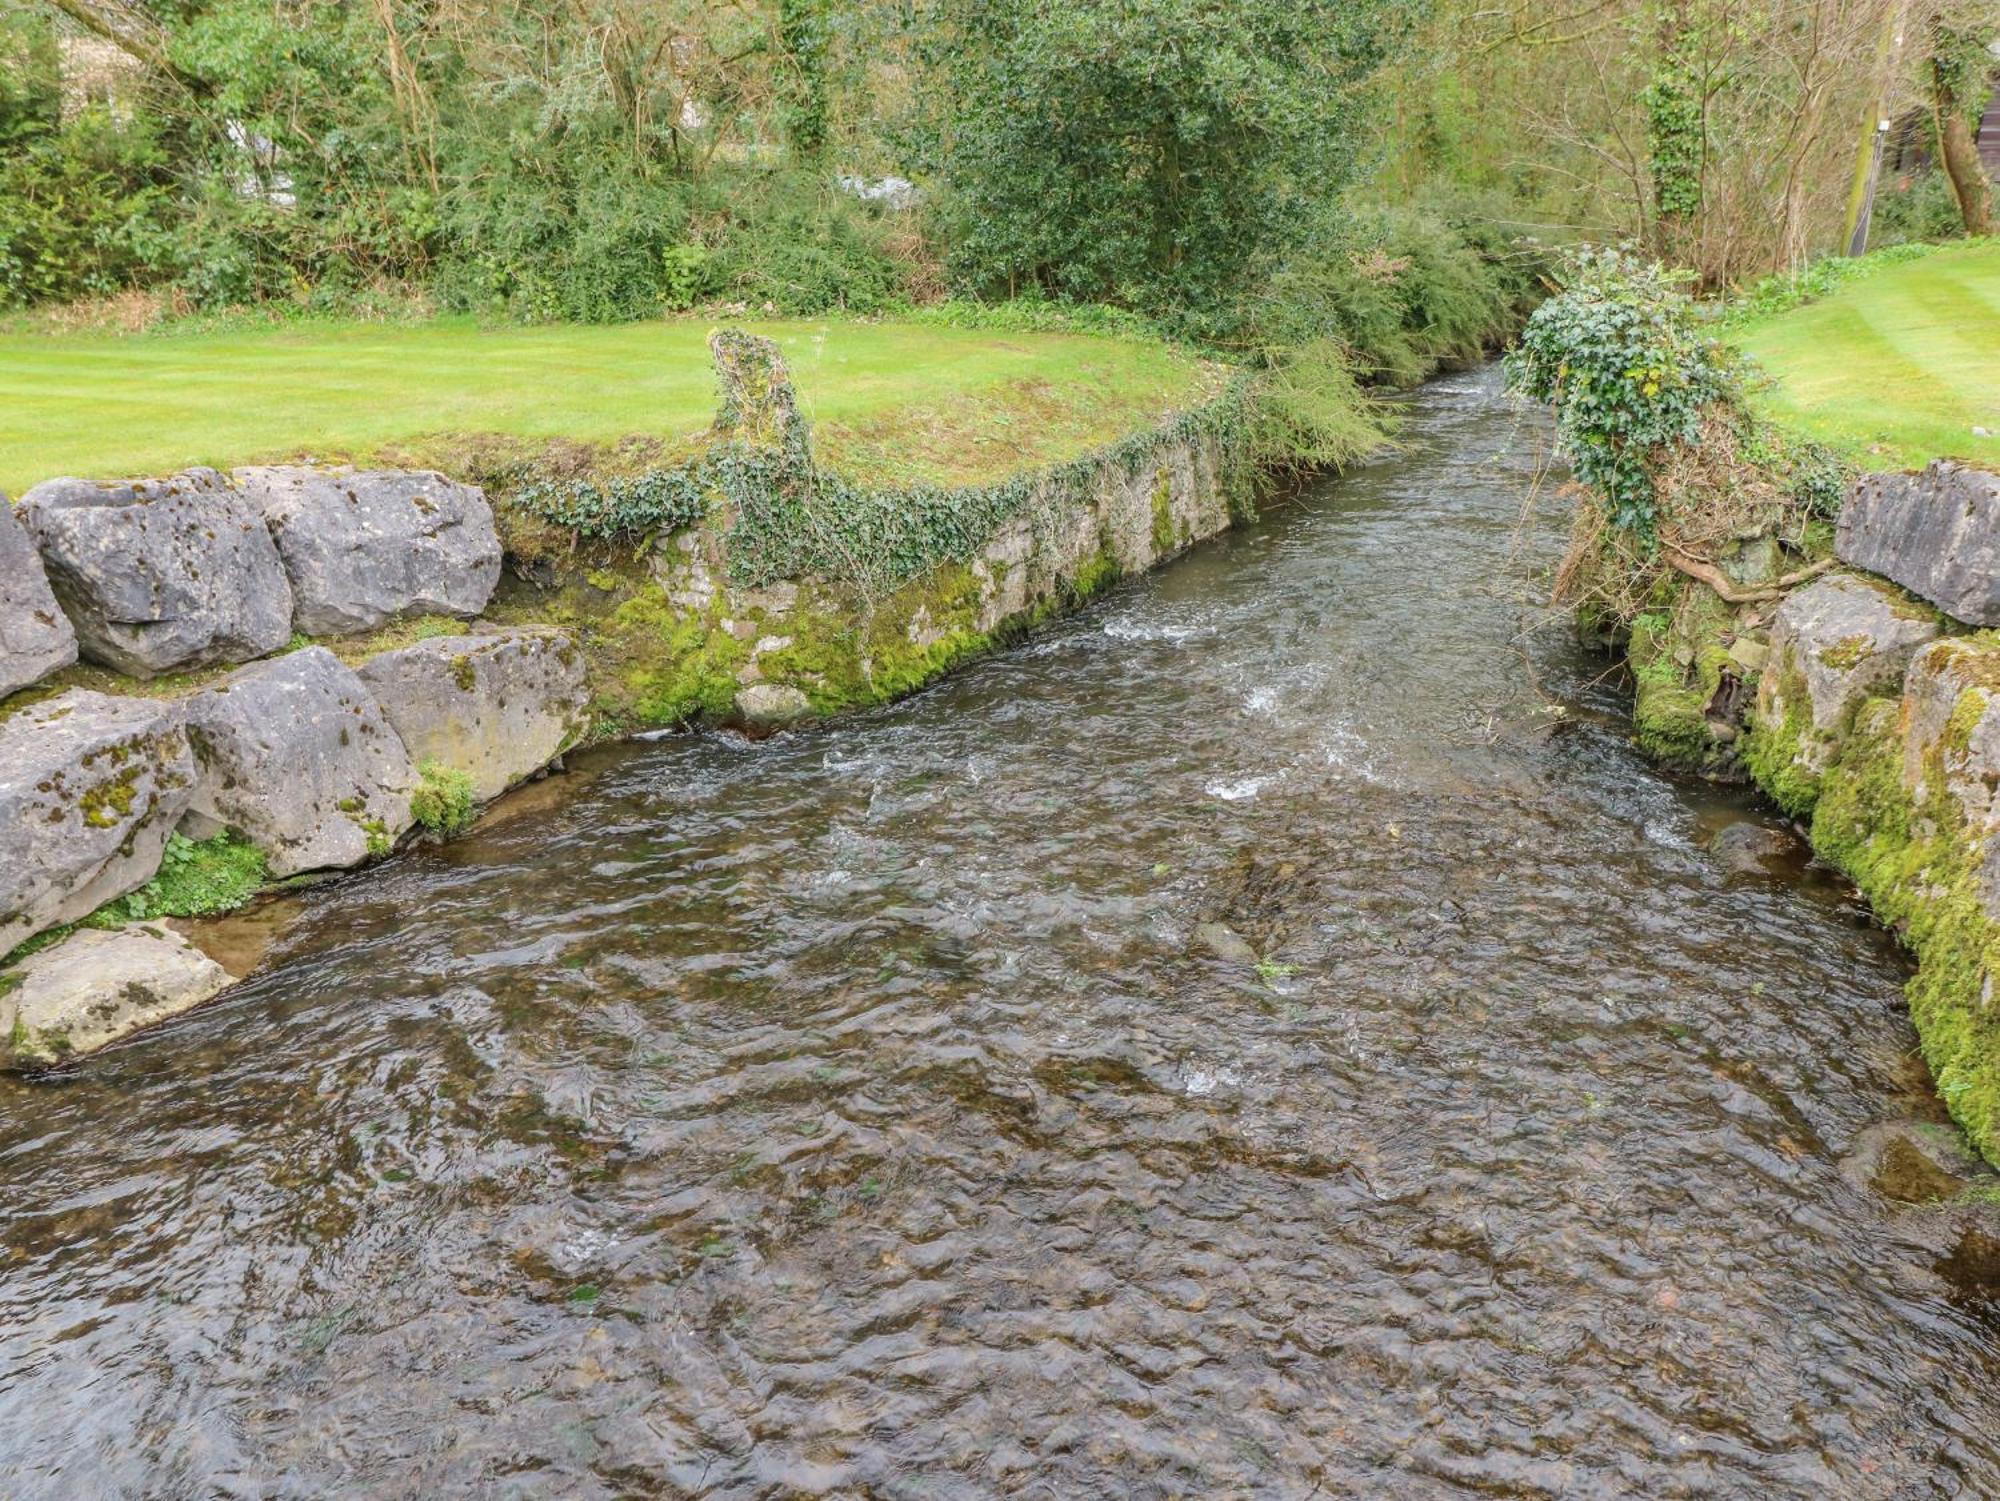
x=1961, y=156
x=1868, y=151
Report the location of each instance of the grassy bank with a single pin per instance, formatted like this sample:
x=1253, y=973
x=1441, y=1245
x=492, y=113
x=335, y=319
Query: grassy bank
x=942, y=404
x=1897, y=368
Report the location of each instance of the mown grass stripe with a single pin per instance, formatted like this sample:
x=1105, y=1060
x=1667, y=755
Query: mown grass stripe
x=104, y=406
x=1897, y=368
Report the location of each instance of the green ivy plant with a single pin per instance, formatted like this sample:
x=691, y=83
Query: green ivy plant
x=788, y=517
x=1621, y=357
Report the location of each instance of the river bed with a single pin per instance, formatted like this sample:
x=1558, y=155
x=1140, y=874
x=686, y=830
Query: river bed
x=867, y=1111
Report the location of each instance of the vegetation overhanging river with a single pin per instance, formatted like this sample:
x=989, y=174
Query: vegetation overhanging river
x=856, y=1112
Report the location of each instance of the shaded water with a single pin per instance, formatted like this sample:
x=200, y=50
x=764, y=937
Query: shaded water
x=851, y=1113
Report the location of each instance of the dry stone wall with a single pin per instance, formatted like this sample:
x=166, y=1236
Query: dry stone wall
x=1937, y=533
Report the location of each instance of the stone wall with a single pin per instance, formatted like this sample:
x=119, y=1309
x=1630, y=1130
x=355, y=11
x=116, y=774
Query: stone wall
x=1876, y=721
x=311, y=664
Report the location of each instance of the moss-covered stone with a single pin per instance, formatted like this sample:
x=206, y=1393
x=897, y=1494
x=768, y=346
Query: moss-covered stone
x=1774, y=750
x=1686, y=683
x=1164, y=538
x=1910, y=851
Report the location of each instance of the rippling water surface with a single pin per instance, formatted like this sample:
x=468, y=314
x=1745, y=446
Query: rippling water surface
x=855, y=1113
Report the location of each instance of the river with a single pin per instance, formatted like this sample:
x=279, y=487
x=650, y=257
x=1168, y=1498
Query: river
x=857, y=1112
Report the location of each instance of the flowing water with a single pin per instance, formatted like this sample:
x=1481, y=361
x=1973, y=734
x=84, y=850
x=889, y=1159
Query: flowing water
x=858, y=1113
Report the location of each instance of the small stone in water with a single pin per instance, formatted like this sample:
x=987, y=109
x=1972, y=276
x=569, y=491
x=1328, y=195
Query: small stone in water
x=1224, y=943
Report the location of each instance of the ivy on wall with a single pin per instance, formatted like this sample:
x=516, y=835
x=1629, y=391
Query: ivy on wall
x=784, y=516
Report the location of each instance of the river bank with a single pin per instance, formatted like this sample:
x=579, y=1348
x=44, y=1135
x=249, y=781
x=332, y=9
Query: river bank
x=742, y=583
x=1857, y=700
x=1821, y=629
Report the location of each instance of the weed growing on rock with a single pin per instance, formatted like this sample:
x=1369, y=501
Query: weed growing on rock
x=197, y=878
x=443, y=801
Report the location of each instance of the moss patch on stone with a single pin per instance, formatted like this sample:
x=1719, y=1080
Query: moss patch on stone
x=443, y=801
x=1678, y=665
x=1164, y=539
x=1774, y=752
x=107, y=803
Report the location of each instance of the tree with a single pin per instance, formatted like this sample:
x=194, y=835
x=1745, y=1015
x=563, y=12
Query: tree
x=1960, y=74
x=1139, y=150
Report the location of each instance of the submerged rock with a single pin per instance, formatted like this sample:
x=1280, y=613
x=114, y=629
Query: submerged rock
x=90, y=788
x=95, y=987
x=36, y=638
x=499, y=705
x=1913, y=1162
x=365, y=547
x=1936, y=533
x=161, y=574
x=1752, y=849
x=1225, y=943
x=296, y=755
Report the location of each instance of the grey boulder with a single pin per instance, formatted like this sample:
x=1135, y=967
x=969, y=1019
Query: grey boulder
x=90, y=788
x=296, y=756
x=366, y=547
x=161, y=574
x=36, y=638
x=771, y=706
x=95, y=987
x=1835, y=642
x=1952, y=727
x=1936, y=533
x=498, y=706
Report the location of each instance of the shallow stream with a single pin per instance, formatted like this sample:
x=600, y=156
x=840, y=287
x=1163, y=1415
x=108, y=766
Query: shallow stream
x=867, y=1111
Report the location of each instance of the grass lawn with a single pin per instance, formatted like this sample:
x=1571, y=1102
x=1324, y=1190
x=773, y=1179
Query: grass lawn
x=899, y=400
x=1897, y=368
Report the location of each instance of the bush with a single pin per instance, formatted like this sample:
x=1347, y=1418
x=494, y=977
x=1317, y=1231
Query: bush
x=1403, y=290
x=1922, y=211
x=544, y=239
x=793, y=241
x=85, y=210
x=1619, y=355
x=1311, y=412
x=1136, y=151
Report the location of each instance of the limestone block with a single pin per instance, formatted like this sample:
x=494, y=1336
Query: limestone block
x=1951, y=705
x=36, y=638
x=1836, y=641
x=499, y=705
x=1951, y=746
x=768, y=705
x=90, y=787
x=296, y=755
x=97, y=986
x=366, y=547
x=161, y=574
x=1936, y=533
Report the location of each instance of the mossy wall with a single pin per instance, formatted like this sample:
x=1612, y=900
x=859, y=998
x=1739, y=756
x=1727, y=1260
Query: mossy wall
x=1899, y=794
x=1887, y=814
x=673, y=635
